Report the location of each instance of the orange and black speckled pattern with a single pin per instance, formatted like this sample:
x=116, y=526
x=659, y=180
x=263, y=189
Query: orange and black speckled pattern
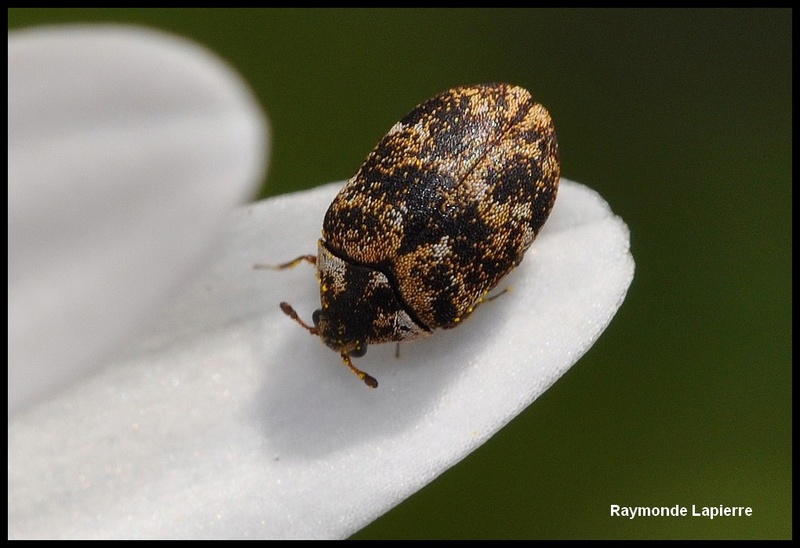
x=447, y=203
x=359, y=306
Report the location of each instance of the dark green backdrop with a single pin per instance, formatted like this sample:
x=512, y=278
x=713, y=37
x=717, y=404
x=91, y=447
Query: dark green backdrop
x=681, y=120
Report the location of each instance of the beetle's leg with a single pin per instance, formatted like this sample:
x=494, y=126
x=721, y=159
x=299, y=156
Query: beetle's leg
x=369, y=380
x=289, y=311
x=493, y=297
x=291, y=264
x=486, y=299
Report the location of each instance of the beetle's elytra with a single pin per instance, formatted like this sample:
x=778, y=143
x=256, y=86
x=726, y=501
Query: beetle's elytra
x=444, y=206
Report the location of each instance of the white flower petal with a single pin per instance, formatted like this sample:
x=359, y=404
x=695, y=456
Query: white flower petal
x=230, y=421
x=126, y=148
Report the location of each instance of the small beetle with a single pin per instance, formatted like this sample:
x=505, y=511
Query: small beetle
x=444, y=206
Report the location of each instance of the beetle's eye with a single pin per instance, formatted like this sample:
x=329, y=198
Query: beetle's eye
x=315, y=317
x=359, y=351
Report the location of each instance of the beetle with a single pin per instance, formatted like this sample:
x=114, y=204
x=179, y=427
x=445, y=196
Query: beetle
x=444, y=206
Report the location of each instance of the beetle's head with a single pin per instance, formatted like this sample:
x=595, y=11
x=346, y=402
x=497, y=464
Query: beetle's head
x=333, y=336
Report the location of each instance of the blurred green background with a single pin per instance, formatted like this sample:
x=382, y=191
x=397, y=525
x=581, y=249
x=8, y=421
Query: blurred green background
x=682, y=121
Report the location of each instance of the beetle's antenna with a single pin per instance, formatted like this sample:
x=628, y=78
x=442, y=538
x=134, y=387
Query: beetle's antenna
x=289, y=311
x=369, y=380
